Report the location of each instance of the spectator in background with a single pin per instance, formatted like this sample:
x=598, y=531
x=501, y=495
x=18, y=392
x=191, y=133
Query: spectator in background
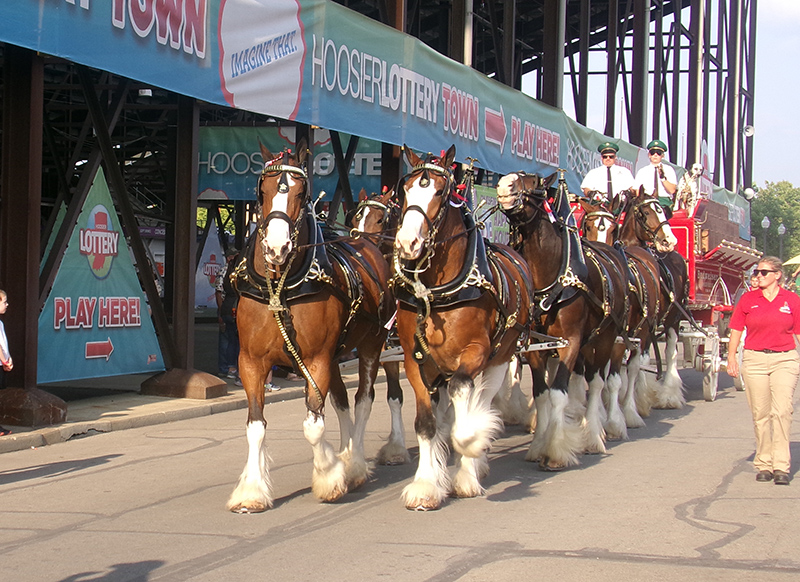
x=770, y=365
x=5, y=355
x=227, y=301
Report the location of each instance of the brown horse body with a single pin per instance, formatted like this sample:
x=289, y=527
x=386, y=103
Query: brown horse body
x=645, y=226
x=348, y=293
x=452, y=328
x=588, y=311
x=377, y=216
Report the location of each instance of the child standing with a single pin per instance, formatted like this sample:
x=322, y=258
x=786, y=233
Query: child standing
x=5, y=355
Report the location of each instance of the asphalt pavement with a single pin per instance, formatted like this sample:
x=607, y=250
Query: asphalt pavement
x=677, y=501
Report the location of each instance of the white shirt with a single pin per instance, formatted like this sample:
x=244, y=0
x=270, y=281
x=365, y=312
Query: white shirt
x=597, y=179
x=645, y=177
x=4, y=353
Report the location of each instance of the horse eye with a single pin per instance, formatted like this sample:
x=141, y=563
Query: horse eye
x=380, y=221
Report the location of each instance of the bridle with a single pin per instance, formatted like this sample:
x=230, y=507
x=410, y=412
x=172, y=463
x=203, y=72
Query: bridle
x=433, y=225
x=389, y=209
x=641, y=217
x=598, y=214
x=271, y=168
x=535, y=198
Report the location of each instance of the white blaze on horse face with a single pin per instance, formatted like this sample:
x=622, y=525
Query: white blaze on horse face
x=409, y=236
x=665, y=243
x=362, y=224
x=278, y=243
x=505, y=196
x=602, y=230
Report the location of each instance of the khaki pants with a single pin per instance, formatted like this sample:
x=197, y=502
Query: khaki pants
x=769, y=381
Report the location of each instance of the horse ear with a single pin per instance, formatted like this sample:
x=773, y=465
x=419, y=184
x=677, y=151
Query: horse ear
x=413, y=159
x=302, y=149
x=362, y=195
x=449, y=156
x=265, y=153
x=550, y=180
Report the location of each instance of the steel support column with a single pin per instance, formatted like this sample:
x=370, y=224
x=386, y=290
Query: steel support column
x=637, y=125
x=23, y=110
x=553, y=59
x=612, y=67
x=694, y=110
x=185, y=231
x=395, y=16
x=734, y=91
x=582, y=104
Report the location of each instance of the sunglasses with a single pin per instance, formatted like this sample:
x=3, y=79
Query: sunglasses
x=656, y=153
x=763, y=272
x=609, y=156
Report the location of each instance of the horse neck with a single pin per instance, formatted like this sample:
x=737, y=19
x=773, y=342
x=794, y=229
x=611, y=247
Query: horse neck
x=542, y=239
x=451, y=249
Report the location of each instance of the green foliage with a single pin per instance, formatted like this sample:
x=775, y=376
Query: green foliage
x=780, y=201
x=225, y=212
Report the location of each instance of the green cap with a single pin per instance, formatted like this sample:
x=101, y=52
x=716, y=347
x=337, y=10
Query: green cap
x=657, y=144
x=607, y=146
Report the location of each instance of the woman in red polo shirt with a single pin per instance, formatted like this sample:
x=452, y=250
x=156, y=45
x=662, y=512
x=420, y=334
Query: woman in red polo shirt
x=770, y=365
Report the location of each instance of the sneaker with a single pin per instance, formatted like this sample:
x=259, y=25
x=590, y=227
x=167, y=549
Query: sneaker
x=232, y=373
x=237, y=382
x=270, y=387
x=4, y=431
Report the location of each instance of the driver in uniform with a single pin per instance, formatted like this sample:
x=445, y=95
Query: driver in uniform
x=659, y=180
x=608, y=182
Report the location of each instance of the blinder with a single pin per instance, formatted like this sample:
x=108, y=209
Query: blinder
x=284, y=169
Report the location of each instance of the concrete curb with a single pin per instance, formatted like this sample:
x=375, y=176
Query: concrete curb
x=129, y=411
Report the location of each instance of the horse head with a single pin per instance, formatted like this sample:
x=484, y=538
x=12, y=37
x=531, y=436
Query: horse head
x=377, y=213
x=283, y=196
x=646, y=220
x=427, y=188
x=599, y=223
x=520, y=194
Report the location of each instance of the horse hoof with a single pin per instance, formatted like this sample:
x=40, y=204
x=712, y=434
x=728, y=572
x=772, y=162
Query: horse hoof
x=241, y=508
x=333, y=495
x=424, y=505
x=546, y=464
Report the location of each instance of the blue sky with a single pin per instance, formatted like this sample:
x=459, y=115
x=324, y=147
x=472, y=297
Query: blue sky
x=777, y=114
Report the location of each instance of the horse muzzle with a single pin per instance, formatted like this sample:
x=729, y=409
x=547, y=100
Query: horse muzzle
x=408, y=247
x=277, y=245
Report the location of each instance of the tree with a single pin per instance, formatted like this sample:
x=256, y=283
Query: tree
x=780, y=201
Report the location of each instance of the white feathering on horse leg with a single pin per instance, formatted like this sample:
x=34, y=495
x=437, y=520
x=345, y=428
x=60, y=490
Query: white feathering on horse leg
x=356, y=467
x=632, y=418
x=253, y=492
x=670, y=393
x=431, y=483
x=510, y=401
x=543, y=414
x=594, y=433
x=476, y=423
x=394, y=452
x=564, y=436
x=471, y=470
x=328, y=481
x=615, y=426
x=645, y=393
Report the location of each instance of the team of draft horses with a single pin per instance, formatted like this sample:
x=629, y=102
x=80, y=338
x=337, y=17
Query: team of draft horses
x=467, y=313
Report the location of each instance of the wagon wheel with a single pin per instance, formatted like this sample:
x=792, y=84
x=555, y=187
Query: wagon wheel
x=711, y=361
